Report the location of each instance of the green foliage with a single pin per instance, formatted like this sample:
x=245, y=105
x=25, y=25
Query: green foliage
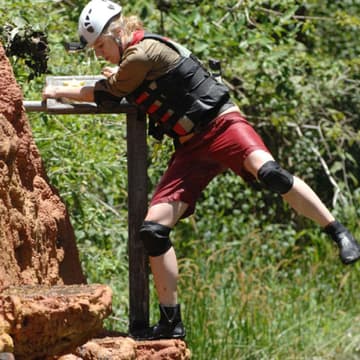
x=23, y=42
x=263, y=308
x=257, y=281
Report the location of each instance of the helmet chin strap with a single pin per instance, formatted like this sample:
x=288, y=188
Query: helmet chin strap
x=120, y=45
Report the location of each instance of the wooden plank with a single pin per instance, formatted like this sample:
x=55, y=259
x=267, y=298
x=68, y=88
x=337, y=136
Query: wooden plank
x=137, y=205
x=52, y=106
x=34, y=106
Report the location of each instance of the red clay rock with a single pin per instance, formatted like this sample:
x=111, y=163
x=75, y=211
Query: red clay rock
x=44, y=320
x=37, y=243
x=114, y=348
x=125, y=348
x=65, y=357
x=162, y=350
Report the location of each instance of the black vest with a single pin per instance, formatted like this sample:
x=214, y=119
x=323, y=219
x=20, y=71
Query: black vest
x=184, y=99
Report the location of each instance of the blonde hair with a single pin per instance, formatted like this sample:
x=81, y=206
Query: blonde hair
x=126, y=24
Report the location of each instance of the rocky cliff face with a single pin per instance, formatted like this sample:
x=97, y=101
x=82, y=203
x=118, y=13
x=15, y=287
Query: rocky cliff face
x=37, y=244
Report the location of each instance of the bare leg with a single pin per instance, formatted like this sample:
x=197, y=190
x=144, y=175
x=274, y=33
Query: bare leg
x=165, y=272
x=300, y=197
x=304, y=201
x=161, y=218
x=164, y=268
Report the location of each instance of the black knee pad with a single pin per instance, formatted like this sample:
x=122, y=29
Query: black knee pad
x=275, y=178
x=155, y=238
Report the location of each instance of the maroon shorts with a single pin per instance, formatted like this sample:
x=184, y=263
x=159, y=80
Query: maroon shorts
x=225, y=143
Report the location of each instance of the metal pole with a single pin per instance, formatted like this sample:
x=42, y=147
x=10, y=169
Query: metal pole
x=31, y=105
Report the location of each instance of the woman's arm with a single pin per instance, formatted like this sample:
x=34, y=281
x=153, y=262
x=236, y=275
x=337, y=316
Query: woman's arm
x=80, y=93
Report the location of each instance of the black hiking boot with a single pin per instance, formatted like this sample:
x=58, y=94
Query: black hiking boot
x=349, y=249
x=169, y=326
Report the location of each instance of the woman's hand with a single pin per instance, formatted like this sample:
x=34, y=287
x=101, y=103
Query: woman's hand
x=107, y=71
x=77, y=93
x=49, y=92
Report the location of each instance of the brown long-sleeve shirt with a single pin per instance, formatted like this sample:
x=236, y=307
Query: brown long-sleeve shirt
x=146, y=60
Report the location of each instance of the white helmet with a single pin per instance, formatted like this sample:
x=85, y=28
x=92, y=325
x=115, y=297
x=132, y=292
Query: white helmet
x=94, y=18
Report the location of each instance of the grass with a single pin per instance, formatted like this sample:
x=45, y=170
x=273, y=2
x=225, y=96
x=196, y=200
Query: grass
x=242, y=310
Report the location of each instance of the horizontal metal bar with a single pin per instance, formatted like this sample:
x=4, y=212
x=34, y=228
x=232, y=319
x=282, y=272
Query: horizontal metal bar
x=55, y=107
x=34, y=105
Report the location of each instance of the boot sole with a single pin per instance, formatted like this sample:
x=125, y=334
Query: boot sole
x=349, y=262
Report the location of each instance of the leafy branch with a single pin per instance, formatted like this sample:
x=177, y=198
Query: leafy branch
x=24, y=42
